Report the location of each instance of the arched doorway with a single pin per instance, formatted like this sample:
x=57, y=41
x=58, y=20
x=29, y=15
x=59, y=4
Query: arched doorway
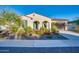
x=45, y=24
x=36, y=25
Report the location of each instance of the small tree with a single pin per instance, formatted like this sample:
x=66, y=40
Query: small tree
x=77, y=21
x=7, y=17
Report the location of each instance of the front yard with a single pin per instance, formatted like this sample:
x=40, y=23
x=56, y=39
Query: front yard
x=42, y=37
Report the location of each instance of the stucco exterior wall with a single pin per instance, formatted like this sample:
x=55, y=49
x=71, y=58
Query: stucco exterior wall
x=31, y=18
x=35, y=17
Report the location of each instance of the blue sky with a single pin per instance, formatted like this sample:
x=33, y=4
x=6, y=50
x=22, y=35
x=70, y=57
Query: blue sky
x=69, y=12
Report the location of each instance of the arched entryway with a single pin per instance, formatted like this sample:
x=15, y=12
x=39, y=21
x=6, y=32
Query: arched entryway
x=45, y=24
x=36, y=25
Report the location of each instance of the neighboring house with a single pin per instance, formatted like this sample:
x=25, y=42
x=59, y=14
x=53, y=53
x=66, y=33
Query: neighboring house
x=36, y=21
x=72, y=26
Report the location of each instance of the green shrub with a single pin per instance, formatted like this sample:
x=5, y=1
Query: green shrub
x=43, y=30
x=76, y=31
x=28, y=29
x=54, y=29
x=37, y=32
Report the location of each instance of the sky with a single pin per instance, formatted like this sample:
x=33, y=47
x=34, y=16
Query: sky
x=69, y=12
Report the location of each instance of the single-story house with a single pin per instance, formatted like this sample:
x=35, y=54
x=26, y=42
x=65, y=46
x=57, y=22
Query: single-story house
x=36, y=21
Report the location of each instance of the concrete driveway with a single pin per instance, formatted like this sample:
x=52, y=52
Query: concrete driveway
x=70, y=35
x=73, y=41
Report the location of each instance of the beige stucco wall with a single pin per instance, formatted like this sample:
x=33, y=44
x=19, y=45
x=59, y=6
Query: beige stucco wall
x=36, y=17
